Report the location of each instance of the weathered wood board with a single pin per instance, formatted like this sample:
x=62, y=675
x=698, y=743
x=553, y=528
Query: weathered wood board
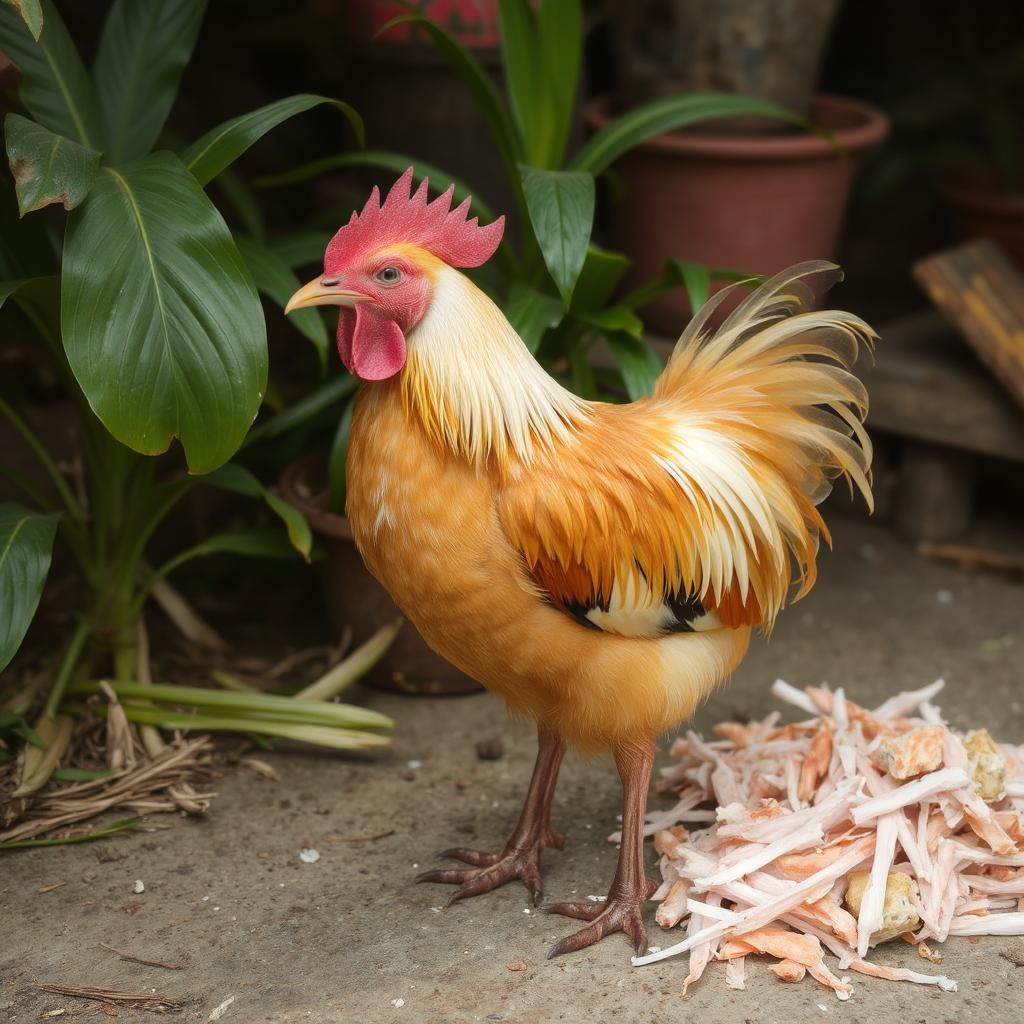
x=982, y=293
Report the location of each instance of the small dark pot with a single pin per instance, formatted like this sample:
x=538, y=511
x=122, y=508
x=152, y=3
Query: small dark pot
x=356, y=601
x=755, y=203
x=978, y=208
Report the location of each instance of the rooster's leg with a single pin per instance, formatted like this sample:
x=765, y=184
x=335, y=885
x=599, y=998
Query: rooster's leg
x=631, y=887
x=521, y=856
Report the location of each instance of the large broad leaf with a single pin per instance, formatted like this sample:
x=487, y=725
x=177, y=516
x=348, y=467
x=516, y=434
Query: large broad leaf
x=55, y=87
x=279, y=282
x=143, y=50
x=161, y=321
x=238, y=479
x=637, y=362
x=26, y=542
x=561, y=208
x=47, y=168
x=223, y=145
x=667, y=115
x=476, y=79
x=531, y=313
x=31, y=12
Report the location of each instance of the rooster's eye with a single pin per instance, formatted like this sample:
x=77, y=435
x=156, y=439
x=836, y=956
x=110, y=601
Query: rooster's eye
x=389, y=275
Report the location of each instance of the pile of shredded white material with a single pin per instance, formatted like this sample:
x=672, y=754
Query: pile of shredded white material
x=836, y=833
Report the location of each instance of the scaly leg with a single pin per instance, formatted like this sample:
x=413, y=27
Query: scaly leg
x=630, y=887
x=521, y=856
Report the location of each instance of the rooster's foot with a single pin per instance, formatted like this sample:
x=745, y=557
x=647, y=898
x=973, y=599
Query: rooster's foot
x=489, y=870
x=619, y=913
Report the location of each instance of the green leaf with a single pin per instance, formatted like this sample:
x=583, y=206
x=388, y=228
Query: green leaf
x=165, y=333
x=143, y=50
x=31, y=13
x=561, y=208
x=11, y=722
x=532, y=313
x=302, y=248
x=600, y=276
x=388, y=161
x=667, y=115
x=476, y=79
x=695, y=278
x=614, y=319
x=55, y=87
x=524, y=79
x=47, y=168
x=238, y=193
x=26, y=543
x=223, y=145
x=332, y=392
x=637, y=362
x=236, y=478
x=560, y=30
x=278, y=281
x=251, y=543
x=338, y=457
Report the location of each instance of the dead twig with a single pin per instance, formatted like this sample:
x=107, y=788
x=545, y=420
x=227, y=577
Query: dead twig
x=50, y=888
x=151, y=1000
x=974, y=559
x=141, y=960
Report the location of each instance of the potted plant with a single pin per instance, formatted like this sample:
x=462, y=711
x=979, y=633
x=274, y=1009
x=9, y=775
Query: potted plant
x=963, y=132
x=148, y=320
x=559, y=289
x=738, y=194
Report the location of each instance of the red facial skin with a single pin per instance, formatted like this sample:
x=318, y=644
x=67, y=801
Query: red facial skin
x=371, y=334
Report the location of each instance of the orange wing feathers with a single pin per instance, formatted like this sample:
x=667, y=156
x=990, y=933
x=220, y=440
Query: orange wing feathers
x=708, y=488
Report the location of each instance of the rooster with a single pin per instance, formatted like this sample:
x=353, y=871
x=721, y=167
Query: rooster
x=599, y=566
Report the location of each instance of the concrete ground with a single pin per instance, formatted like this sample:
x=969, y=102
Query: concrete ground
x=348, y=938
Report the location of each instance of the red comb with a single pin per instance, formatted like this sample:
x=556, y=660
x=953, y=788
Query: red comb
x=408, y=217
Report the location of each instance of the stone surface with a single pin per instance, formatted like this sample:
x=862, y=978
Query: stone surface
x=351, y=939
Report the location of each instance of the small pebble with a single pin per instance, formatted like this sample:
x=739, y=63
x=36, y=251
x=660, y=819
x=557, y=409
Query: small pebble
x=398, y=1003
x=139, y=886
x=414, y=764
x=944, y=596
x=308, y=855
x=517, y=965
x=490, y=749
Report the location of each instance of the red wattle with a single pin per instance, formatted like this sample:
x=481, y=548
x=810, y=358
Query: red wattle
x=370, y=345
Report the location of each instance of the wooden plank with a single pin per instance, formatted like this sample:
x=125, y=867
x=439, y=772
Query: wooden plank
x=927, y=385
x=982, y=293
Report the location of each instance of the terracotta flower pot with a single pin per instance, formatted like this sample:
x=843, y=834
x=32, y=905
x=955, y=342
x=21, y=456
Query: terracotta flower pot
x=355, y=600
x=755, y=203
x=978, y=208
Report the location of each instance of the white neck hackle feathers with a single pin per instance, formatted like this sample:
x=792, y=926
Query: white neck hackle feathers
x=476, y=387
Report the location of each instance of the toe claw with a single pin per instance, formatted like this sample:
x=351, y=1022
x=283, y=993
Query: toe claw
x=446, y=876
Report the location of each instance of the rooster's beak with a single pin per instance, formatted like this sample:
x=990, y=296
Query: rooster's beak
x=323, y=291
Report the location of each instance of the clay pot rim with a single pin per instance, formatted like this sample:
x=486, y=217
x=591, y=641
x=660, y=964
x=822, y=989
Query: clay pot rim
x=297, y=488
x=872, y=126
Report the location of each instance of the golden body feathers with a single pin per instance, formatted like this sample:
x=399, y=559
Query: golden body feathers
x=600, y=566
